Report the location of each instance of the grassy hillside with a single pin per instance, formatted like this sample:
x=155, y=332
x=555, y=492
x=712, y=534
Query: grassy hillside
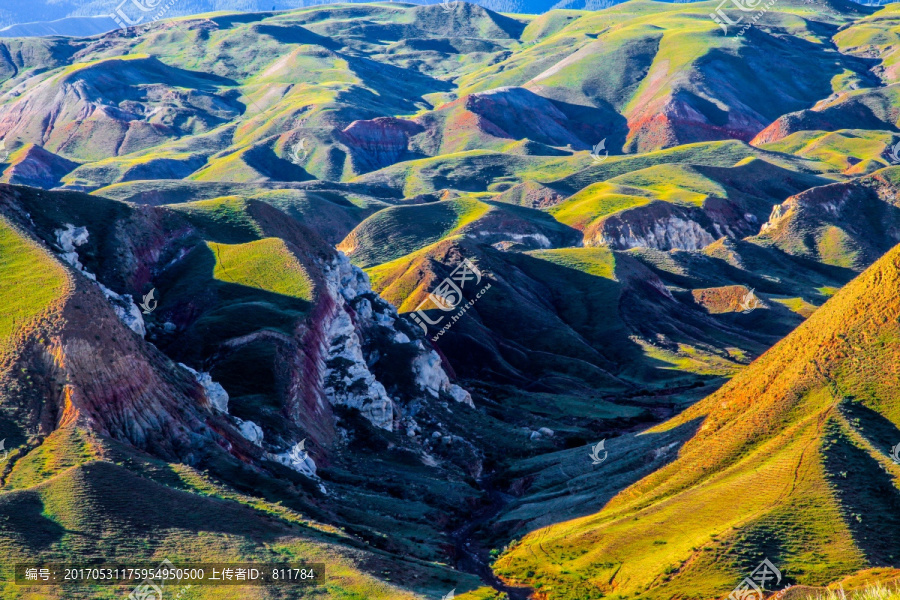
x=400, y=230
x=850, y=232
x=626, y=180
x=241, y=284
x=789, y=461
x=33, y=284
x=578, y=321
x=97, y=498
x=852, y=151
x=702, y=192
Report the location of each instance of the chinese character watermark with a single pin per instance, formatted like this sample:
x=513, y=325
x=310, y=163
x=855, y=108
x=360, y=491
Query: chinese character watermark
x=35, y=574
x=721, y=18
x=133, y=12
x=448, y=296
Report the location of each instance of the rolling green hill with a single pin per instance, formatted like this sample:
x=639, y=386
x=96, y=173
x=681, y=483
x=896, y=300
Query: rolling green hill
x=686, y=246
x=94, y=486
x=115, y=472
x=788, y=461
x=391, y=233
x=573, y=321
x=715, y=200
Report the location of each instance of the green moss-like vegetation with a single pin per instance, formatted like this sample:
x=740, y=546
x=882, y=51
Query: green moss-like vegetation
x=265, y=264
x=32, y=284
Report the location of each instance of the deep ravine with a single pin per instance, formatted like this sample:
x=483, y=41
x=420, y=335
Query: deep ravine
x=471, y=556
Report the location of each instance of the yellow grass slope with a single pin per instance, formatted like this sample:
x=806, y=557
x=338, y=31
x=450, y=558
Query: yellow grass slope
x=791, y=463
x=31, y=285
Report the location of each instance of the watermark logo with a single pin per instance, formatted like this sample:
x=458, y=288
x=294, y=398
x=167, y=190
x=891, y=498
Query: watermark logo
x=596, y=150
x=746, y=5
x=298, y=453
x=749, y=302
x=895, y=453
x=721, y=18
x=450, y=595
x=148, y=304
x=133, y=12
x=148, y=589
x=596, y=459
x=448, y=296
x=299, y=152
x=449, y=5
x=751, y=588
x=895, y=153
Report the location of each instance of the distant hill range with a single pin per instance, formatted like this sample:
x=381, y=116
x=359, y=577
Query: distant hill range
x=623, y=232
x=70, y=26
x=78, y=18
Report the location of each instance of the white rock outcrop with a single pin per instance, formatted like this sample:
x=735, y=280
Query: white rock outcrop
x=778, y=212
x=250, y=431
x=348, y=379
x=535, y=240
x=126, y=309
x=460, y=395
x=671, y=232
x=70, y=238
x=431, y=378
x=298, y=459
x=214, y=391
x=347, y=279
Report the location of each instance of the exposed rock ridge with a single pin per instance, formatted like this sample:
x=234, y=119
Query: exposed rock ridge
x=379, y=142
x=357, y=320
x=665, y=226
x=68, y=240
x=122, y=387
